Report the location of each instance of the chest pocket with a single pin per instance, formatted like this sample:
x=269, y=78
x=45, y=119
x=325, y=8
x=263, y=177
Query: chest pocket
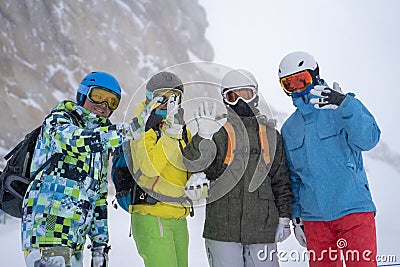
x=330, y=136
x=297, y=155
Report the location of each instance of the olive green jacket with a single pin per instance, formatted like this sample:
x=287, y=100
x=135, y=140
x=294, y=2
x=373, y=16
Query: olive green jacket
x=233, y=213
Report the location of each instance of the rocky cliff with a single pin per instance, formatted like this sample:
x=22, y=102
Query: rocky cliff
x=48, y=46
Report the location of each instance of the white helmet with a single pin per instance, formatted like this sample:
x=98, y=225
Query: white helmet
x=296, y=62
x=238, y=78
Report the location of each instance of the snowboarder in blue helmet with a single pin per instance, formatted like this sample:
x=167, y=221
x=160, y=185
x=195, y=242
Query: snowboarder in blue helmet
x=67, y=200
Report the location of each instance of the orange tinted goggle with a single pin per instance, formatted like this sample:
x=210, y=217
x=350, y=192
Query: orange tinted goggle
x=101, y=95
x=300, y=81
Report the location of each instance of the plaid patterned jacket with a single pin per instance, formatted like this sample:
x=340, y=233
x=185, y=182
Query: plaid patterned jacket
x=62, y=207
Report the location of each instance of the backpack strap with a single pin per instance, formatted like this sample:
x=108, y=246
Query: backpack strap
x=231, y=143
x=262, y=132
x=230, y=152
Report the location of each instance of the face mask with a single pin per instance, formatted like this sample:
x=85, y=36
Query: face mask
x=243, y=109
x=161, y=112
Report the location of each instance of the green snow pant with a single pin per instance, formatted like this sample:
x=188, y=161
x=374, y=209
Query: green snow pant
x=160, y=241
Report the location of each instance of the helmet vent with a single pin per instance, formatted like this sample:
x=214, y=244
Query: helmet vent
x=301, y=63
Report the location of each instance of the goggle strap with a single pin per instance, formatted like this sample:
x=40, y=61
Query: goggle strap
x=149, y=94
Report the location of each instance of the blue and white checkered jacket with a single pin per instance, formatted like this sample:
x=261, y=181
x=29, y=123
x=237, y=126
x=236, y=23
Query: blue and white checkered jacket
x=62, y=207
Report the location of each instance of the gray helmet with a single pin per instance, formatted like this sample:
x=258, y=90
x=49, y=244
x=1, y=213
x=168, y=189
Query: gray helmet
x=164, y=79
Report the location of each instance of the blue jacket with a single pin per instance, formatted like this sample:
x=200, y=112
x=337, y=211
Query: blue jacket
x=323, y=151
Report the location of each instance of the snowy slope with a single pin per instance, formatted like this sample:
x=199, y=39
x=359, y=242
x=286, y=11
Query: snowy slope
x=384, y=184
x=123, y=250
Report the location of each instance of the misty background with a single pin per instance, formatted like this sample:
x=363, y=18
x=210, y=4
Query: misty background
x=48, y=46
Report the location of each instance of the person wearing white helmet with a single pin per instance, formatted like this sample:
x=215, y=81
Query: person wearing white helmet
x=324, y=138
x=250, y=198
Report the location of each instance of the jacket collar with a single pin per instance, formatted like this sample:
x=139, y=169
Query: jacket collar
x=91, y=120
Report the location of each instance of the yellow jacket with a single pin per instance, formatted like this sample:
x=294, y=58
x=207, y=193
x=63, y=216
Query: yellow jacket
x=163, y=171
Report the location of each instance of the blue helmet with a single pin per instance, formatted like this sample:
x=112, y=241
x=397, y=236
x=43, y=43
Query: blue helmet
x=97, y=78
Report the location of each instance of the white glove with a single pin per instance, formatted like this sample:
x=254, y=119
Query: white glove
x=299, y=231
x=328, y=98
x=197, y=186
x=173, y=129
x=283, y=230
x=206, y=122
x=100, y=256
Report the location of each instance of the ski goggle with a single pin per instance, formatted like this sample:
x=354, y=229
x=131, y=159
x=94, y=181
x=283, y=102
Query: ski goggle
x=99, y=95
x=232, y=96
x=165, y=93
x=299, y=81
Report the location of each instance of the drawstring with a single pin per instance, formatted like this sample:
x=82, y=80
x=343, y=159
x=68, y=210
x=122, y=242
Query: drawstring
x=160, y=226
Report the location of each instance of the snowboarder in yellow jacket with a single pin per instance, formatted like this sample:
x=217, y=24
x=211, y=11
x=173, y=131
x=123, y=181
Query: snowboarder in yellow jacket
x=159, y=215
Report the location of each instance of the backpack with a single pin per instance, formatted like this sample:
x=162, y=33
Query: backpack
x=122, y=179
x=127, y=191
x=16, y=176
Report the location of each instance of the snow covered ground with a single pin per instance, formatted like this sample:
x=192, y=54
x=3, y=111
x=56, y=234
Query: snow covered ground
x=384, y=184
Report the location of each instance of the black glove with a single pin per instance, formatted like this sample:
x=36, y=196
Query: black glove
x=154, y=121
x=328, y=98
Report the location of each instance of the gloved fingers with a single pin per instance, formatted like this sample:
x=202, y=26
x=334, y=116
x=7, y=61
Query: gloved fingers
x=173, y=100
x=318, y=101
x=196, y=192
x=196, y=114
x=197, y=179
x=202, y=109
x=319, y=90
x=206, y=112
x=213, y=111
x=337, y=88
x=320, y=87
x=322, y=103
x=325, y=106
x=172, y=106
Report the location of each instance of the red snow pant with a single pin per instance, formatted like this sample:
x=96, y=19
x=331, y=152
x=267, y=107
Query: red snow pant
x=352, y=237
